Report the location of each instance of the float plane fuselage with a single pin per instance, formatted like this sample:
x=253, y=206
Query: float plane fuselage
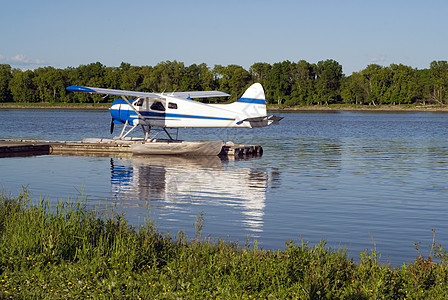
x=179, y=110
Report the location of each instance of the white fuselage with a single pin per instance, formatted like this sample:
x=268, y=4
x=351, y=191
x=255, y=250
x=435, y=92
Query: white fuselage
x=172, y=112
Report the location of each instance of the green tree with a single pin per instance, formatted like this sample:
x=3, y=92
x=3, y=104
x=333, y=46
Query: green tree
x=328, y=81
x=131, y=78
x=259, y=72
x=232, y=79
x=372, y=82
x=439, y=81
x=279, y=82
x=5, y=78
x=22, y=86
x=403, y=85
x=148, y=85
x=424, y=85
x=50, y=83
x=191, y=81
x=112, y=78
x=91, y=75
x=166, y=76
x=353, y=89
x=303, y=82
x=207, y=78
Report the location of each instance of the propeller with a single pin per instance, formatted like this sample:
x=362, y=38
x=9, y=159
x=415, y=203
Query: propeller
x=111, y=126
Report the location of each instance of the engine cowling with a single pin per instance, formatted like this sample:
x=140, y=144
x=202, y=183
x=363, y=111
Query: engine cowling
x=119, y=111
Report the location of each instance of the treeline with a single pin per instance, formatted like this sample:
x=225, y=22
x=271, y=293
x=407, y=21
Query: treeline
x=286, y=82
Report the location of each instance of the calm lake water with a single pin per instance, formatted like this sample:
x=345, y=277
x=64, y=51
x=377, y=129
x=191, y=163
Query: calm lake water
x=334, y=176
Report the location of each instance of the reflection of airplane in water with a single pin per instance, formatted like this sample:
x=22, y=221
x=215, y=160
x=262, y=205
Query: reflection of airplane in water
x=192, y=181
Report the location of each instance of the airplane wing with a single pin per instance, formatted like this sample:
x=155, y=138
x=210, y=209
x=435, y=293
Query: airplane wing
x=185, y=95
x=198, y=94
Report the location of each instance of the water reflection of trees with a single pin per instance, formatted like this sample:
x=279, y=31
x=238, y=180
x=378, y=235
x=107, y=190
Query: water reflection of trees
x=205, y=181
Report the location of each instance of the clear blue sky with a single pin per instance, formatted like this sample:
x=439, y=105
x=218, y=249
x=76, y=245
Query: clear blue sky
x=63, y=33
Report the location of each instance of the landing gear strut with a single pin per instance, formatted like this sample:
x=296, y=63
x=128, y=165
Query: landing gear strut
x=146, y=131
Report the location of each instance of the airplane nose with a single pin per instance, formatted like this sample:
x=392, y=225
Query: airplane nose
x=118, y=114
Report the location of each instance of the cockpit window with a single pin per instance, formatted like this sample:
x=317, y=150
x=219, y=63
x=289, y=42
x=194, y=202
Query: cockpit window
x=158, y=106
x=172, y=105
x=139, y=102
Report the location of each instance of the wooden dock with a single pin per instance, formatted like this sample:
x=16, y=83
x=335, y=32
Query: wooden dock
x=101, y=148
x=23, y=148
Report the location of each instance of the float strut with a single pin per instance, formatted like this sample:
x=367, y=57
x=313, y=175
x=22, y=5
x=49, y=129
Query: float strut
x=168, y=134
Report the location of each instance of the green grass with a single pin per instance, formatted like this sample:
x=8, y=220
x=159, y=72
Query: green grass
x=66, y=251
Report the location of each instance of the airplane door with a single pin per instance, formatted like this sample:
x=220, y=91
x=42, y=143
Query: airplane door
x=157, y=112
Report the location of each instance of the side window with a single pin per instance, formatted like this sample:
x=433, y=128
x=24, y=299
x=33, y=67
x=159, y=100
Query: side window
x=172, y=105
x=139, y=102
x=158, y=106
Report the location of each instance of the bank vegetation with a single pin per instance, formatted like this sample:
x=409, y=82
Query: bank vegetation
x=65, y=251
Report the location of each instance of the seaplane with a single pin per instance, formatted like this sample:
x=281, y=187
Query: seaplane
x=179, y=110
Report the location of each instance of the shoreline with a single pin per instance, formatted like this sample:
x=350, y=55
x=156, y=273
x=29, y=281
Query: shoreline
x=334, y=107
x=380, y=108
x=55, y=106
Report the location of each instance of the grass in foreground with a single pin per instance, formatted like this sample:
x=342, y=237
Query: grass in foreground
x=66, y=251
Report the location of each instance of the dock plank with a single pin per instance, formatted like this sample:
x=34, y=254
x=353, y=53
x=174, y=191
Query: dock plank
x=33, y=147
x=12, y=147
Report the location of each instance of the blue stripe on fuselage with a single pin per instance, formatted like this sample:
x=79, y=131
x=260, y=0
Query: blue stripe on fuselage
x=150, y=114
x=170, y=115
x=198, y=117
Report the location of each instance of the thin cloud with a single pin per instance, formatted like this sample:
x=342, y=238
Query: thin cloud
x=378, y=58
x=21, y=60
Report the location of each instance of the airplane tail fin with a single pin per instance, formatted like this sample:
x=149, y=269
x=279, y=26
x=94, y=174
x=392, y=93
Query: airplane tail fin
x=251, y=107
x=254, y=94
x=253, y=103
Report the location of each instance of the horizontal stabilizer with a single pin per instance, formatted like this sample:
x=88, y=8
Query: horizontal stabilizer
x=274, y=120
x=257, y=121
